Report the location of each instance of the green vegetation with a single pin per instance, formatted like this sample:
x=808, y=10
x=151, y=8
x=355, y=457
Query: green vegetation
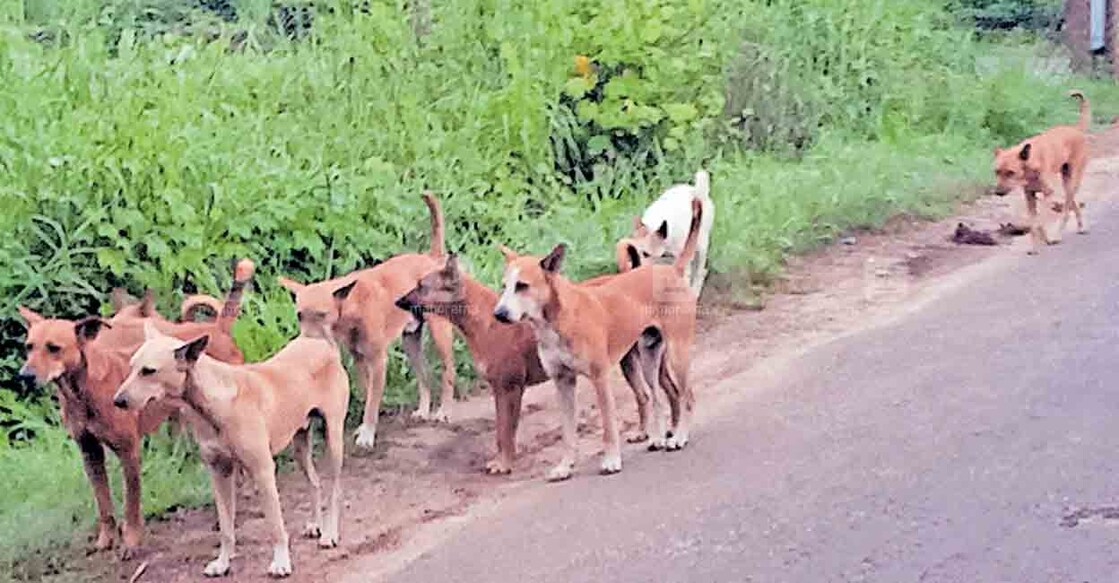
x=147, y=142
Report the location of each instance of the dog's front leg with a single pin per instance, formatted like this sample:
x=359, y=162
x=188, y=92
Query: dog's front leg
x=222, y=481
x=133, y=519
x=335, y=434
x=1055, y=191
x=565, y=390
x=612, y=452
x=93, y=460
x=1037, y=227
x=502, y=463
x=443, y=336
x=371, y=372
x=264, y=474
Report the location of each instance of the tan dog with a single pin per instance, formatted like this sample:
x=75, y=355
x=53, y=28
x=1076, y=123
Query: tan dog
x=586, y=330
x=243, y=415
x=505, y=355
x=1046, y=164
x=357, y=310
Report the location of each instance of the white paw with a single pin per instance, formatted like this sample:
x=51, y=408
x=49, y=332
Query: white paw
x=328, y=541
x=218, y=567
x=676, y=443
x=366, y=436
x=611, y=464
x=497, y=466
x=311, y=530
x=442, y=415
x=280, y=567
x=637, y=437
x=1082, y=230
x=560, y=472
x=420, y=414
x=657, y=443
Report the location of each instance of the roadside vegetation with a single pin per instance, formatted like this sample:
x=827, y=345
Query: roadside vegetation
x=146, y=143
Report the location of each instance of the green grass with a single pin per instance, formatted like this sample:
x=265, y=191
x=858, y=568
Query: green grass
x=142, y=143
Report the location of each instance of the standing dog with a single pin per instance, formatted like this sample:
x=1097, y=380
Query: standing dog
x=505, y=355
x=1046, y=164
x=357, y=310
x=87, y=360
x=586, y=330
x=243, y=415
x=663, y=229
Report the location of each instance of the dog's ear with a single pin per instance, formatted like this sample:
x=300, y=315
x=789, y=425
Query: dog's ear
x=150, y=331
x=553, y=263
x=662, y=231
x=344, y=292
x=293, y=286
x=1024, y=153
x=189, y=352
x=119, y=299
x=509, y=254
x=147, y=304
x=30, y=316
x=87, y=329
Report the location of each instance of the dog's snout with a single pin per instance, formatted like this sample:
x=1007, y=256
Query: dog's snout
x=404, y=304
x=502, y=315
x=120, y=402
x=26, y=375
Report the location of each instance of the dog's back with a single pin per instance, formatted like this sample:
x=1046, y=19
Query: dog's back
x=674, y=207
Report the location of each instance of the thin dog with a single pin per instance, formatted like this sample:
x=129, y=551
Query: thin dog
x=586, y=330
x=663, y=230
x=242, y=416
x=1045, y=164
x=357, y=310
x=87, y=360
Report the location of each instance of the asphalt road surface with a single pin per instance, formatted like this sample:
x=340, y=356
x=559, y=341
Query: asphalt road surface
x=974, y=440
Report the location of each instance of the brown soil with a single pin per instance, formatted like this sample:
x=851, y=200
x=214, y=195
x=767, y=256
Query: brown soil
x=423, y=480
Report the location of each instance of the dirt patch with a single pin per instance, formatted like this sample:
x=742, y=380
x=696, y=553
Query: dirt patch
x=422, y=479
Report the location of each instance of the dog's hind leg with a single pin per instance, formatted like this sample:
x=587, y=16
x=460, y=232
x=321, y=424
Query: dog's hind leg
x=412, y=341
x=1072, y=187
x=631, y=370
x=651, y=353
x=133, y=519
x=222, y=483
x=443, y=336
x=302, y=443
x=565, y=389
x=263, y=470
x=674, y=373
x=93, y=460
x=335, y=435
x=371, y=372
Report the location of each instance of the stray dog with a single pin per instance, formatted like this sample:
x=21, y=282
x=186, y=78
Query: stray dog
x=357, y=310
x=243, y=415
x=584, y=330
x=87, y=373
x=1045, y=164
x=663, y=229
x=129, y=318
x=965, y=235
x=504, y=355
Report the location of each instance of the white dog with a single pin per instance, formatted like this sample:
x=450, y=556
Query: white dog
x=662, y=230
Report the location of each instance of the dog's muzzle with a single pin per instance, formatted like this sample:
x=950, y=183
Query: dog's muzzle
x=26, y=375
x=405, y=305
x=502, y=315
x=120, y=401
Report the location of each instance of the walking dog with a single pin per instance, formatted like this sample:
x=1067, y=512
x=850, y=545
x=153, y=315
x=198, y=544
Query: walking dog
x=585, y=330
x=243, y=415
x=505, y=355
x=1044, y=165
x=357, y=310
x=663, y=229
x=87, y=360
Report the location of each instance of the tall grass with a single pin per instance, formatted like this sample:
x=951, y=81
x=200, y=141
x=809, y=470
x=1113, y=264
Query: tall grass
x=146, y=142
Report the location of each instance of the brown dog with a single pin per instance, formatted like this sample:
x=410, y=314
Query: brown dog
x=357, y=310
x=87, y=360
x=505, y=355
x=1046, y=164
x=243, y=415
x=586, y=330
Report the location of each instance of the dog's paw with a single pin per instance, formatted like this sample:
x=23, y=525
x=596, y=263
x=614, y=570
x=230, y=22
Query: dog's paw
x=420, y=415
x=560, y=472
x=328, y=541
x=441, y=416
x=365, y=436
x=498, y=466
x=611, y=464
x=675, y=443
x=1082, y=231
x=312, y=530
x=1032, y=252
x=218, y=567
x=279, y=569
x=657, y=443
x=1054, y=241
x=637, y=437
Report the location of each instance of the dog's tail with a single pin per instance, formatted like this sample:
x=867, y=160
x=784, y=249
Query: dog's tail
x=196, y=302
x=242, y=273
x=1085, y=109
x=437, y=245
x=702, y=184
x=693, y=238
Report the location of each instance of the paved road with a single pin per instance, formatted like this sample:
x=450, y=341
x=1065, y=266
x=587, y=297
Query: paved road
x=955, y=445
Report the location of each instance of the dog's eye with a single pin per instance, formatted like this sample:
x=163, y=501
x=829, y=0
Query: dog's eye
x=520, y=286
x=147, y=371
x=54, y=348
x=29, y=346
